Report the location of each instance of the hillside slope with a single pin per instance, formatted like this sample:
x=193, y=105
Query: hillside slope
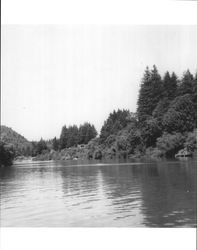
x=19, y=143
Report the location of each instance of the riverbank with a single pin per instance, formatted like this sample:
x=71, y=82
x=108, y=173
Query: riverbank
x=100, y=152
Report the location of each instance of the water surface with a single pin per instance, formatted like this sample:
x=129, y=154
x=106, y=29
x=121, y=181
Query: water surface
x=99, y=194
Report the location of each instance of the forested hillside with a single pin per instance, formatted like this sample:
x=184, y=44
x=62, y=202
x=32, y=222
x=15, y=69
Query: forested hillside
x=20, y=144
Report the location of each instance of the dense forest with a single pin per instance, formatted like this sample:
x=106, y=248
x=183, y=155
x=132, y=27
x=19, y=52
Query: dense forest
x=12, y=145
x=165, y=120
x=164, y=123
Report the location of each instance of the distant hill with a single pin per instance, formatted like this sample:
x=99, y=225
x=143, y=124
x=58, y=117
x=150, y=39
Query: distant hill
x=19, y=143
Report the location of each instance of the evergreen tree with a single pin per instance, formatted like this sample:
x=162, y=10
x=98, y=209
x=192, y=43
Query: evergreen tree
x=116, y=121
x=41, y=146
x=169, y=85
x=194, y=89
x=55, y=144
x=86, y=133
x=150, y=94
x=142, y=107
x=73, y=136
x=186, y=84
x=63, y=137
x=194, y=94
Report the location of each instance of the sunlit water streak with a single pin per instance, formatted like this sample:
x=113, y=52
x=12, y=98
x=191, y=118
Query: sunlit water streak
x=123, y=194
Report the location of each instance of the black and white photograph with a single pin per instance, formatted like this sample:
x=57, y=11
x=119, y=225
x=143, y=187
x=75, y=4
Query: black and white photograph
x=98, y=126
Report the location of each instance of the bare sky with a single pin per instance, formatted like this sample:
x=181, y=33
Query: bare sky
x=54, y=75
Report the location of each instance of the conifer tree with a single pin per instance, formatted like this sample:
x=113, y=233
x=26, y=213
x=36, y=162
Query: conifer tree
x=186, y=84
x=55, y=143
x=73, y=136
x=86, y=133
x=150, y=94
x=114, y=123
x=169, y=85
x=194, y=89
x=194, y=94
x=63, y=137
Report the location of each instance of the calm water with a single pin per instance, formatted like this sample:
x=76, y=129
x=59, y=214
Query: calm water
x=113, y=194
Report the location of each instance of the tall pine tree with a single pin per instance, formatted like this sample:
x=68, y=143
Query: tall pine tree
x=64, y=137
x=186, y=84
x=169, y=85
x=150, y=94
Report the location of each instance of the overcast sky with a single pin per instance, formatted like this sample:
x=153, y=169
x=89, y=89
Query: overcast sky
x=55, y=75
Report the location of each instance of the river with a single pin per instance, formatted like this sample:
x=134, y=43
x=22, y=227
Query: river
x=99, y=194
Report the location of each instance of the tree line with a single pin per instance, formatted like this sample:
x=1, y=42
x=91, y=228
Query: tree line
x=70, y=136
x=164, y=122
x=165, y=118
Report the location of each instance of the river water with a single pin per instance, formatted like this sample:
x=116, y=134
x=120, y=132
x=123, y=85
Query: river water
x=99, y=194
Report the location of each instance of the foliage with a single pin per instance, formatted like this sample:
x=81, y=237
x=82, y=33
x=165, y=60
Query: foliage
x=64, y=137
x=161, y=109
x=39, y=147
x=86, y=133
x=6, y=154
x=164, y=123
x=194, y=89
x=169, y=85
x=166, y=110
x=21, y=145
x=151, y=92
x=92, y=147
x=186, y=84
x=170, y=144
x=181, y=115
x=72, y=136
x=115, y=122
x=55, y=144
x=150, y=131
x=135, y=141
x=191, y=141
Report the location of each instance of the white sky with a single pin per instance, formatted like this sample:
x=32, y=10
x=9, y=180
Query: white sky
x=54, y=75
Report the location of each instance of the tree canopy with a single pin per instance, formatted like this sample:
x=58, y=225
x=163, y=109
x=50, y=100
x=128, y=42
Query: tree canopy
x=151, y=92
x=72, y=136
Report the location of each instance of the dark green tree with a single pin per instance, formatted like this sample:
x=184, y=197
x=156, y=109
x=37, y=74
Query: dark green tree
x=64, y=137
x=136, y=141
x=86, y=133
x=181, y=115
x=186, y=84
x=55, y=144
x=116, y=121
x=194, y=89
x=169, y=144
x=161, y=109
x=151, y=131
x=6, y=154
x=73, y=136
x=41, y=146
x=169, y=85
x=151, y=92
